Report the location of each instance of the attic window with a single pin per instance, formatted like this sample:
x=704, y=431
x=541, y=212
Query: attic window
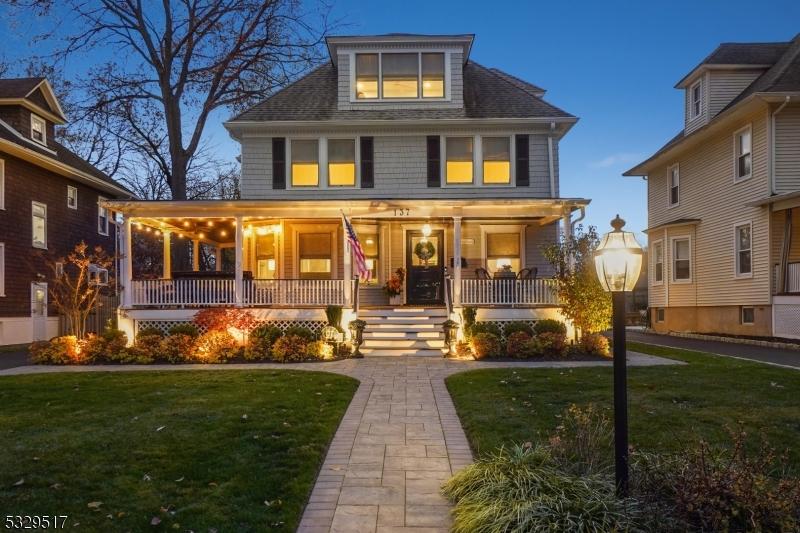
x=38, y=129
x=696, y=99
x=393, y=76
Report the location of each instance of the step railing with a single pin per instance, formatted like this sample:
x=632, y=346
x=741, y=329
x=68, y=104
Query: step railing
x=509, y=292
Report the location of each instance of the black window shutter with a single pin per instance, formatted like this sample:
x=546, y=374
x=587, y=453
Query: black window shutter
x=523, y=170
x=278, y=163
x=434, y=161
x=367, y=163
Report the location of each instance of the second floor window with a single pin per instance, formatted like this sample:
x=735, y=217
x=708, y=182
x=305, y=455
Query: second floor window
x=744, y=248
x=341, y=162
x=102, y=218
x=744, y=157
x=72, y=197
x=458, y=151
x=38, y=129
x=681, y=259
x=674, y=174
x=496, y=160
x=39, y=224
x=658, y=262
x=400, y=74
x=696, y=100
x=305, y=163
x=410, y=75
x=366, y=76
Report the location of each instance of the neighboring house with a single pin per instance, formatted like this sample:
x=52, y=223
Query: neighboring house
x=447, y=169
x=723, y=198
x=48, y=203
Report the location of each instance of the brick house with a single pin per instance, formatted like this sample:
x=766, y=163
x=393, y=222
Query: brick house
x=48, y=203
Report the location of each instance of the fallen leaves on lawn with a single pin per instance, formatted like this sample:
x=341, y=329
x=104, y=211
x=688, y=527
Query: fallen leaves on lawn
x=155, y=521
x=244, y=416
x=19, y=483
x=55, y=486
x=146, y=477
x=159, y=428
x=273, y=502
x=94, y=505
x=179, y=479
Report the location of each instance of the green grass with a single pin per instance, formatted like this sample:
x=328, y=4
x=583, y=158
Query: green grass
x=669, y=406
x=81, y=438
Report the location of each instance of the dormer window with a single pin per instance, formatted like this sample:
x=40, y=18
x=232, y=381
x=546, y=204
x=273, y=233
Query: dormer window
x=696, y=99
x=38, y=129
x=392, y=76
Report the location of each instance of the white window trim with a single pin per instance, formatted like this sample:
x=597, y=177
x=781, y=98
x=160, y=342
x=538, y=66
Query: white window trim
x=659, y=242
x=741, y=315
x=108, y=216
x=673, y=259
x=447, y=75
x=670, y=205
x=736, y=177
x=298, y=229
x=486, y=229
x=736, y=226
x=322, y=162
x=37, y=118
x=2, y=185
x=2, y=269
x=692, y=114
x=33, y=243
x=477, y=161
x=70, y=189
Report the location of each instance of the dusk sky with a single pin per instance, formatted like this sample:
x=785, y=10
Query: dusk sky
x=613, y=64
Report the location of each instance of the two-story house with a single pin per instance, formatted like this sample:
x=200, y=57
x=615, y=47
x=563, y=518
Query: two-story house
x=49, y=202
x=447, y=169
x=723, y=198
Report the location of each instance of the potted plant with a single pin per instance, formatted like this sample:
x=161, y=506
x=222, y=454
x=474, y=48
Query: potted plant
x=394, y=287
x=357, y=335
x=450, y=335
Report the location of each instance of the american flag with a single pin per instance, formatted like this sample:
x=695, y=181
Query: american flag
x=363, y=272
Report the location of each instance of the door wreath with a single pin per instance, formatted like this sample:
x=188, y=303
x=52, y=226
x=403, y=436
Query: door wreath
x=424, y=250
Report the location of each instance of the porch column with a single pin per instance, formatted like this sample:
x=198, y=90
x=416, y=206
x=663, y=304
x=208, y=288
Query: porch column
x=218, y=259
x=785, y=252
x=239, y=284
x=195, y=255
x=126, y=263
x=566, y=230
x=456, y=261
x=348, y=270
x=167, y=262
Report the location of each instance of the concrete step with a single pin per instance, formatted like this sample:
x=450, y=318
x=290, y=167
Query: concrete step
x=410, y=320
x=402, y=311
x=399, y=352
x=414, y=344
x=403, y=333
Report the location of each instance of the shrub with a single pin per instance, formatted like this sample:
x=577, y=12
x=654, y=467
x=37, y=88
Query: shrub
x=104, y=347
x=149, y=331
x=552, y=344
x=215, y=347
x=300, y=331
x=549, y=325
x=334, y=315
x=177, y=347
x=93, y=348
x=289, y=348
x=186, y=328
x=222, y=318
x=515, y=343
x=486, y=345
x=463, y=350
x=523, y=489
x=514, y=327
x=486, y=327
x=594, y=344
x=468, y=315
x=146, y=350
x=581, y=444
x=319, y=350
x=58, y=351
x=259, y=344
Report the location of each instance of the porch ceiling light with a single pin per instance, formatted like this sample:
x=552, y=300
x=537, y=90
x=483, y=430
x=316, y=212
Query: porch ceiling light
x=276, y=228
x=262, y=230
x=618, y=259
x=426, y=230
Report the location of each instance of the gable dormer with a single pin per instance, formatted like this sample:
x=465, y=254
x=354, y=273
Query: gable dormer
x=399, y=71
x=30, y=107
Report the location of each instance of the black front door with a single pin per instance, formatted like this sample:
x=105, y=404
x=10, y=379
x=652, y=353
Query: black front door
x=425, y=268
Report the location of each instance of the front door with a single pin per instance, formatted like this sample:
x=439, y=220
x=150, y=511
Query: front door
x=425, y=268
x=39, y=311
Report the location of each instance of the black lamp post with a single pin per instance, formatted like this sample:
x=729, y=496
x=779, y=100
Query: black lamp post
x=618, y=260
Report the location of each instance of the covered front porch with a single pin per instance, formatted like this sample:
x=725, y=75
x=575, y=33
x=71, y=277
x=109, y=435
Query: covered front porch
x=785, y=225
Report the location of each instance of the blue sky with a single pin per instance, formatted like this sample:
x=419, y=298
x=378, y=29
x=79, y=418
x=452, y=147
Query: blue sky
x=611, y=63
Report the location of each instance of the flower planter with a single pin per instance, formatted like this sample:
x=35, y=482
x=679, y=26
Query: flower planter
x=396, y=299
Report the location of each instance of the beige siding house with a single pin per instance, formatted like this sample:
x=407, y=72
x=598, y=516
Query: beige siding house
x=723, y=198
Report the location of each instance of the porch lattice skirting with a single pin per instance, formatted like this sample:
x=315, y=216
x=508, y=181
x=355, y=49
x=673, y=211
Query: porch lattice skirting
x=164, y=325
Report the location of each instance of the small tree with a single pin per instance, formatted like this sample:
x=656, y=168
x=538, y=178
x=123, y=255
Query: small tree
x=74, y=292
x=583, y=298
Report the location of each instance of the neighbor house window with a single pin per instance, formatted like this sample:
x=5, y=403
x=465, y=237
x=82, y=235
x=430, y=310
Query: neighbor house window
x=305, y=163
x=400, y=74
x=2, y=184
x=433, y=75
x=681, y=259
x=341, y=162
x=315, y=253
x=658, y=262
x=696, y=100
x=72, y=197
x=366, y=76
x=674, y=175
x=2, y=269
x=748, y=316
x=459, y=159
x=744, y=157
x=39, y=223
x=38, y=129
x=744, y=249
x=659, y=314
x=102, y=217
x=496, y=160
x=369, y=243
x=503, y=252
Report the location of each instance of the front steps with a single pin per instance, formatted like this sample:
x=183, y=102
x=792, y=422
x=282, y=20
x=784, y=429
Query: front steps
x=414, y=331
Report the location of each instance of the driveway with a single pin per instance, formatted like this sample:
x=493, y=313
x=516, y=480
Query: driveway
x=762, y=354
x=13, y=359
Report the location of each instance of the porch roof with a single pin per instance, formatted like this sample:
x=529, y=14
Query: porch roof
x=546, y=209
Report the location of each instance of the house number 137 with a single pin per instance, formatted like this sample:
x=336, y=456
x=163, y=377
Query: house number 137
x=402, y=212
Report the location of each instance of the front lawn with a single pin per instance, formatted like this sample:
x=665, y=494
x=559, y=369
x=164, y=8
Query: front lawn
x=182, y=450
x=669, y=405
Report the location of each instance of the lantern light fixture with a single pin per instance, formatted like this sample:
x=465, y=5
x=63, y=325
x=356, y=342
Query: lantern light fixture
x=426, y=230
x=618, y=259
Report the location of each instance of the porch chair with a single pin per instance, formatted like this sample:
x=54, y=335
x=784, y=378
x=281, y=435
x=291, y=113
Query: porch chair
x=482, y=273
x=528, y=273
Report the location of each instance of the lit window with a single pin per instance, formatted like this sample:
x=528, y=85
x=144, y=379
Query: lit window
x=38, y=130
x=744, y=158
x=400, y=74
x=341, y=162
x=744, y=248
x=658, y=261
x=39, y=223
x=433, y=75
x=305, y=163
x=696, y=95
x=102, y=217
x=748, y=315
x=681, y=260
x=315, y=252
x=265, y=254
x=674, y=185
x=496, y=160
x=503, y=252
x=366, y=76
x=72, y=197
x=459, y=159
x=369, y=243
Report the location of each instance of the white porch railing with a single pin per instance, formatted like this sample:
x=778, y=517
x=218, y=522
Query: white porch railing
x=793, y=277
x=183, y=292
x=311, y=292
x=511, y=292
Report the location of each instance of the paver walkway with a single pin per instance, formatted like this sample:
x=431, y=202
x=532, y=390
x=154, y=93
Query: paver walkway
x=400, y=438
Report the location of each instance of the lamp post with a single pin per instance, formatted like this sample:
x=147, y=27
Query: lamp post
x=618, y=260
